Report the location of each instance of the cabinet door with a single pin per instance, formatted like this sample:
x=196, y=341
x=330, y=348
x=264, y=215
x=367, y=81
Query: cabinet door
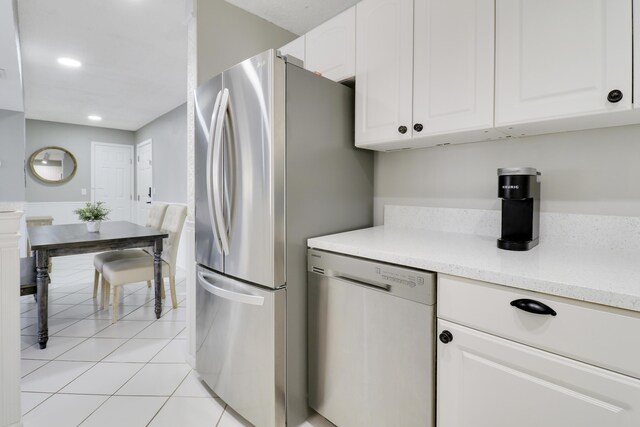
x=331, y=47
x=561, y=58
x=384, y=71
x=486, y=381
x=453, y=66
x=295, y=48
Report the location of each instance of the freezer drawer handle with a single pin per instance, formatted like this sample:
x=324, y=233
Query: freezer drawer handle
x=533, y=306
x=226, y=294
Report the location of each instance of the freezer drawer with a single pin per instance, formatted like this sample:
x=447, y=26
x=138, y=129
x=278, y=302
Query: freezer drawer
x=240, y=335
x=370, y=355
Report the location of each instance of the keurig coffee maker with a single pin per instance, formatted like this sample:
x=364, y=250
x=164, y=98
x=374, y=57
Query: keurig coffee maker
x=519, y=189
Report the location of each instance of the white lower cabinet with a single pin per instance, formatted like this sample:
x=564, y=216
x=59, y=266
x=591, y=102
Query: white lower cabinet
x=487, y=381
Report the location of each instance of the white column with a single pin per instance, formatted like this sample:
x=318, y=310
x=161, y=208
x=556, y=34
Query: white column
x=192, y=83
x=10, y=412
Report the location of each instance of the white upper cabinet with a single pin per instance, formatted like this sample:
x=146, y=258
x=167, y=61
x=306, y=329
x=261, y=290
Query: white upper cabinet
x=424, y=76
x=384, y=71
x=562, y=59
x=295, y=48
x=453, y=69
x=331, y=47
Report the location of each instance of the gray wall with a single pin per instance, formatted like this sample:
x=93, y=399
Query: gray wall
x=228, y=35
x=169, y=135
x=591, y=172
x=77, y=139
x=12, y=156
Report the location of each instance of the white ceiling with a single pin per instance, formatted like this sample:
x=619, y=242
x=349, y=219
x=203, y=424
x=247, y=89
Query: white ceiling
x=134, y=56
x=297, y=16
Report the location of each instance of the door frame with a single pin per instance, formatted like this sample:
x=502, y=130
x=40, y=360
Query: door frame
x=136, y=195
x=95, y=144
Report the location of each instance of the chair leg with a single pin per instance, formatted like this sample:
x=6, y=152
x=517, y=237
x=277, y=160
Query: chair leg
x=162, y=293
x=172, y=286
x=96, y=277
x=104, y=294
x=116, y=296
x=148, y=283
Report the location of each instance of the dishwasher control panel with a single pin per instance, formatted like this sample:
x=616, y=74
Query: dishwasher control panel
x=413, y=284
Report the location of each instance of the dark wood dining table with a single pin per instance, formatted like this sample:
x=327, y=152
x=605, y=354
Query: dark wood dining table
x=72, y=239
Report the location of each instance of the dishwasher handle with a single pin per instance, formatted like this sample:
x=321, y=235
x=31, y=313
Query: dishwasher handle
x=361, y=283
x=225, y=293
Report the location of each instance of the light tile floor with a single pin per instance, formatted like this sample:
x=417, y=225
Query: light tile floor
x=131, y=374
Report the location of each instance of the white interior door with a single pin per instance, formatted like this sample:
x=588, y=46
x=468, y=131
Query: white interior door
x=112, y=178
x=144, y=174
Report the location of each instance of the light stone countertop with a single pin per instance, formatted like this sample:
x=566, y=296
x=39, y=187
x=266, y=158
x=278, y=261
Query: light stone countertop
x=594, y=273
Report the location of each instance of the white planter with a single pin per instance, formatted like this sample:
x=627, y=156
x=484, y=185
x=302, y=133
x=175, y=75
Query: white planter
x=93, y=226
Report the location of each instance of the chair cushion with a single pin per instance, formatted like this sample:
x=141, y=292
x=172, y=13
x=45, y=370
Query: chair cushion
x=131, y=270
x=101, y=259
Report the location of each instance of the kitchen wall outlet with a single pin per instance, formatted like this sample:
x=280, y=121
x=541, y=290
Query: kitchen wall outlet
x=83, y=191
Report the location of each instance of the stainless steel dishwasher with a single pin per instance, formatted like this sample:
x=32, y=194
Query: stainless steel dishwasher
x=371, y=342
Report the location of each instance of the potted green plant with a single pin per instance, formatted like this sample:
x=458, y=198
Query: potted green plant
x=93, y=214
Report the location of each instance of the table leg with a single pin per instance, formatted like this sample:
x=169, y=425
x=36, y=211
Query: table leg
x=157, y=274
x=42, y=285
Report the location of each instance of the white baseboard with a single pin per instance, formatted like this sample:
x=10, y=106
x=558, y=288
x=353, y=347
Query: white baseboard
x=191, y=361
x=62, y=213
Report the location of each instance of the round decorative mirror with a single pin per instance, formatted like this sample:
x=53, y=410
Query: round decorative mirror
x=53, y=165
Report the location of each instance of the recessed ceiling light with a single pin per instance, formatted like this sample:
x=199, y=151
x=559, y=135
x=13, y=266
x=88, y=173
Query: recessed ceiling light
x=94, y=118
x=69, y=62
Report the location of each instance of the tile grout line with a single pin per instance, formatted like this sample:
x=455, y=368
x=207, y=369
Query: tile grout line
x=95, y=363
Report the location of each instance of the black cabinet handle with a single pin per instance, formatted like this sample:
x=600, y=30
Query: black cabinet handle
x=614, y=96
x=446, y=337
x=533, y=306
x=418, y=127
x=402, y=129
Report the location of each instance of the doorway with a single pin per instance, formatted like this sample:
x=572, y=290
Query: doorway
x=144, y=177
x=112, y=178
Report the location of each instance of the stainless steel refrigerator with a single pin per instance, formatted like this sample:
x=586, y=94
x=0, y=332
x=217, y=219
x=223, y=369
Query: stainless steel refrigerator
x=275, y=164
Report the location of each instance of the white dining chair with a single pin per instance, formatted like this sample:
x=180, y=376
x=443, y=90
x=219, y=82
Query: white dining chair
x=154, y=220
x=132, y=270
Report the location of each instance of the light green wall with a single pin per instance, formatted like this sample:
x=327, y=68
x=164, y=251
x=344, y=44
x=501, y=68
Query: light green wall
x=228, y=35
x=169, y=135
x=589, y=172
x=12, y=186
x=77, y=139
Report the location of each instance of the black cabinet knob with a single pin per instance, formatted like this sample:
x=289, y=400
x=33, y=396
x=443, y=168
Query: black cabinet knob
x=614, y=96
x=418, y=127
x=402, y=129
x=446, y=337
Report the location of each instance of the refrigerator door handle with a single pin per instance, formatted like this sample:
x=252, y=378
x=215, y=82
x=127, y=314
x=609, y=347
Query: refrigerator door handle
x=225, y=293
x=218, y=176
x=213, y=218
x=229, y=166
